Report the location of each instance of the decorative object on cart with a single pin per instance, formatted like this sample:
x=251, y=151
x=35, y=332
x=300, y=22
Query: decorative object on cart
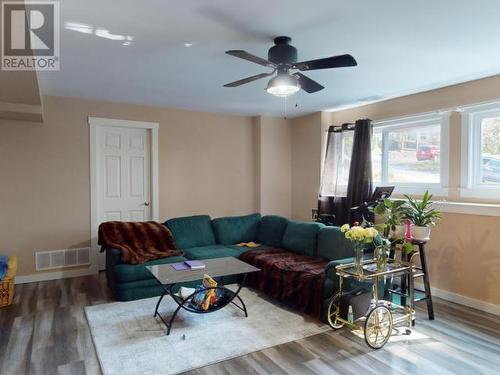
x=381, y=253
x=392, y=213
x=377, y=325
x=360, y=236
x=423, y=215
x=385, y=247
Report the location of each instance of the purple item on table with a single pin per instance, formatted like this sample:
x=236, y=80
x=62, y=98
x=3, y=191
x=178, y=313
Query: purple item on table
x=182, y=266
x=195, y=264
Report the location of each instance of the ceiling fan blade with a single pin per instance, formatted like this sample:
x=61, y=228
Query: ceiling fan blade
x=248, y=79
x=326, y=63
x=248, y=56
x=307, y=84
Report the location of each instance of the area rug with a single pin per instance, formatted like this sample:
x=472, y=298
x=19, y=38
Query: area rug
x=129, y=340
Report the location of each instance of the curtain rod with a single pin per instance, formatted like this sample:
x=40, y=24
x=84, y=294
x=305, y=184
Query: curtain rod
x=348, y=126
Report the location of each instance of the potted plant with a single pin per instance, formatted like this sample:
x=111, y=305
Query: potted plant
x=423, y=216
x=393, y=213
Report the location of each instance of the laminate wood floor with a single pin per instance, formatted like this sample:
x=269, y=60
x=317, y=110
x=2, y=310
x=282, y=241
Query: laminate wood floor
x=45, y=332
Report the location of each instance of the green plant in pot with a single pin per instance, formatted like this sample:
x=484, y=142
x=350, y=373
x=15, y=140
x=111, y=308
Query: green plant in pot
x=423, y=215
x=393, y=212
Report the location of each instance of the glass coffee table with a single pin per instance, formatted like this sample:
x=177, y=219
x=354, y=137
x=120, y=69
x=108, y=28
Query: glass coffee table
x=168, y=277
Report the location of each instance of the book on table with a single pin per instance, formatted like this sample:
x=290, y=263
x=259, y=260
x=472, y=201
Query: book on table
x=195, y=264
x=189, y=265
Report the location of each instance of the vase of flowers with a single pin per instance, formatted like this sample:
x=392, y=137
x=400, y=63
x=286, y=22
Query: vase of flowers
x=381, y=254
x=359, y=236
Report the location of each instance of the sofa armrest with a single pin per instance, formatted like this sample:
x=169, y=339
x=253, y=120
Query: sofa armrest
x=113, y=257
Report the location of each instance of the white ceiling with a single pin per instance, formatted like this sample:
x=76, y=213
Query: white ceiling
x=402, y=46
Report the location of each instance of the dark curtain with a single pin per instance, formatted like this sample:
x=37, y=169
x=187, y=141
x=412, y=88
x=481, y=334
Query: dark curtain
x=330, y=202
x=359, y=187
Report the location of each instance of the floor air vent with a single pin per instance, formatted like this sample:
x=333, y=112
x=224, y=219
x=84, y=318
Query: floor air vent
x=47, y=260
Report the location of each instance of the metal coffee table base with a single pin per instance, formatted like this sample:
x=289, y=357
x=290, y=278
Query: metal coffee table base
x=185, y=303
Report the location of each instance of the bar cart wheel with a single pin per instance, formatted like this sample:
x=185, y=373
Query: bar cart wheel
x=333, y=312
x=378, y=326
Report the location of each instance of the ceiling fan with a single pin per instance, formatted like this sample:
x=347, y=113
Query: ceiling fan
x=282, y=58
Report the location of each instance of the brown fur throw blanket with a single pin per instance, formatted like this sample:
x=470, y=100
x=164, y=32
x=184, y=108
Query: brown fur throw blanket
x=138, y=241
x=293, y=278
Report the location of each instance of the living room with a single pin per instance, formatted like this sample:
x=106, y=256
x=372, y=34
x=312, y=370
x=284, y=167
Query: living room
x=143, y=118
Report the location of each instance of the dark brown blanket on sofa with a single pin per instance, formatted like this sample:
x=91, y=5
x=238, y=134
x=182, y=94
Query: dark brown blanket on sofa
x=289, y=277
x=138, y=241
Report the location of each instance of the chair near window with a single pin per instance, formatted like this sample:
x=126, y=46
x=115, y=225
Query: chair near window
x=331, y=210
x=363, y=211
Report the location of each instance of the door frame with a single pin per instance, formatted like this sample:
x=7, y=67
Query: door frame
x=94, y=123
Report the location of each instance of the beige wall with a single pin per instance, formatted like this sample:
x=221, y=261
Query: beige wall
x=481, y=90
x=207, y=165
x=19, y=87
x=306, y=164
x=463, y=256
x=274, y=165
x=20, y=97
x=463, y=252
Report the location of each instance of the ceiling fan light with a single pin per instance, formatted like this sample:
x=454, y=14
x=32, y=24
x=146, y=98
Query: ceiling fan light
x=283, y=85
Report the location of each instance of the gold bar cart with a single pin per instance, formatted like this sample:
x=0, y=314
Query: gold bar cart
x=378, y=324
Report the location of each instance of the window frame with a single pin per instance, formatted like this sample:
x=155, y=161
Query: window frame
x=443, y=120
x=471, y=152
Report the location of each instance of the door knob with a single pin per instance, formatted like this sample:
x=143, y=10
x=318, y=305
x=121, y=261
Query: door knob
x=146, y=204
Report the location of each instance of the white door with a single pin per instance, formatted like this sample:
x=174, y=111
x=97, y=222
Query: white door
x=123, y=175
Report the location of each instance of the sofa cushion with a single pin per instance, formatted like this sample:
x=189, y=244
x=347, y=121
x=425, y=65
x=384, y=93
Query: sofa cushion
x=271, y=230
x=300, y=237
x=125, y=273
x=235, y=229
x=214, y=251
x=191, y=231
x=332, y=244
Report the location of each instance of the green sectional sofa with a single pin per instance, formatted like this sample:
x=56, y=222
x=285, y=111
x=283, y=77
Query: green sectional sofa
x=200, y=237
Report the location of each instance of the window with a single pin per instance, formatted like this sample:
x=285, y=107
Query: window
x=345, y=158
x=337, y=164
x=411, y=153
x=481, y=151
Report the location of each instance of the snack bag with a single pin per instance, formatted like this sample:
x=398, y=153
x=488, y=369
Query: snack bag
x=211, y=296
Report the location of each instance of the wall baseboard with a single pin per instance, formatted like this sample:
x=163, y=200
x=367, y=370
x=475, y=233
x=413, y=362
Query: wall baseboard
x=463, y=300
x=46, y=276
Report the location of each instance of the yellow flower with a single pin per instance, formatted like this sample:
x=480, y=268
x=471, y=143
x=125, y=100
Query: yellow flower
x=371, y=232
x=344, y=228
x=359, y=234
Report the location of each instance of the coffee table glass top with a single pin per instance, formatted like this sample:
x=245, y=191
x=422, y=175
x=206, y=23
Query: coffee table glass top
x=217, y=267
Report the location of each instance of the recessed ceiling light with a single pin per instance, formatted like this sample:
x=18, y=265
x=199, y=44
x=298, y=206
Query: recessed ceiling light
x=99, y=32
x=79, y=27
x=188, y=45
